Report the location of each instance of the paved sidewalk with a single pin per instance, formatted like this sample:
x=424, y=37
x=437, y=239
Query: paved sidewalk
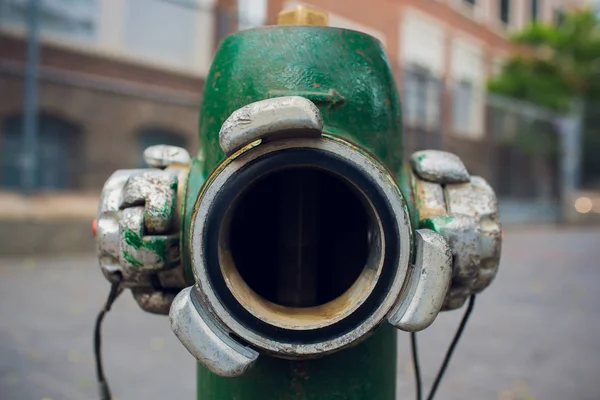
x=533, y=335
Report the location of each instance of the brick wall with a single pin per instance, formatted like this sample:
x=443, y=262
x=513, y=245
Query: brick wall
x=54, y=56
x=109, y=123
x=110, y=101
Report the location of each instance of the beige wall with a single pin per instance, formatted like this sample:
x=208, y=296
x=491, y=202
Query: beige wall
x=110, y=38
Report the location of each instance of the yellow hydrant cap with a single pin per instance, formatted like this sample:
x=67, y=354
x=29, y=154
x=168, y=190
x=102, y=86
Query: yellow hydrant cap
x=303, y=15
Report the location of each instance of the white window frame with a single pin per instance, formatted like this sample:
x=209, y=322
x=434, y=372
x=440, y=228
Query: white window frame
x=462, y=69
x=475, y=11
x=425, y=114
x=251, y=13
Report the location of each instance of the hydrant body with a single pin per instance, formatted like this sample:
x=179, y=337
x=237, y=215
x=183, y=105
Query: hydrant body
x=347, y=75
x=367, y=371
x=287, y=247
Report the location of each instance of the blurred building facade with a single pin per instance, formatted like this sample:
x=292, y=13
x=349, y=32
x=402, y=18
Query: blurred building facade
x=114, y=76
x=118, y=76
x=444, y=52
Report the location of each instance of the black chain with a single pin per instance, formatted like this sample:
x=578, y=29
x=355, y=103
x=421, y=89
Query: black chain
x=115, y=291
x=416, y=366
x=449, y=352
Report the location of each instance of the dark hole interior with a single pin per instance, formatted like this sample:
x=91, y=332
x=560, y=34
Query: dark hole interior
x=299, y=236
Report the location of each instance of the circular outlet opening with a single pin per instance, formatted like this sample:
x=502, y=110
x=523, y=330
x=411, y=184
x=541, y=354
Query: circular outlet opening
x=301, y=248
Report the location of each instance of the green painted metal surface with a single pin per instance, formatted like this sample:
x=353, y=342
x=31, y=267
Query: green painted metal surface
x=347, y=75
x=364, y=372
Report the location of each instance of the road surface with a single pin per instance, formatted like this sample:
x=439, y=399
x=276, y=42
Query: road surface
x=535, y=334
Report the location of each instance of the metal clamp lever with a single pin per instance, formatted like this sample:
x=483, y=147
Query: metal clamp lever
x=429, y=281
x=201, y=336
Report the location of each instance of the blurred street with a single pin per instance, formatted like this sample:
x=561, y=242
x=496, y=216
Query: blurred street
x=533, y=334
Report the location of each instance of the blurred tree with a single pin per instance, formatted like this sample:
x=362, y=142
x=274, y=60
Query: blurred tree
x=562, y=64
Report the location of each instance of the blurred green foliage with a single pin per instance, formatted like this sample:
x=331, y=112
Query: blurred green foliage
x=559, y=63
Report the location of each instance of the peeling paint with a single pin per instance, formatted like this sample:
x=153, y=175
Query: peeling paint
x=131, y=259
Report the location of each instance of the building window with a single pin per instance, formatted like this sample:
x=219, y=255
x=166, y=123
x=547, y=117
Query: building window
x=162, y=31
x=73, y=19
x=463, y=93
x=467, y=107
x=58, y=153
x=153, y=136
x=251, y=13
x=504, y=11
x=421, y=98
x=535, y=10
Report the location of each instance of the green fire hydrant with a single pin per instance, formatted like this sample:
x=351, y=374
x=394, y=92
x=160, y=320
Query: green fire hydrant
x=289, y=250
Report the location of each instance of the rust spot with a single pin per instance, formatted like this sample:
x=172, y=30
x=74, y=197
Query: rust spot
x=359, y=109
x=387, y=102
x=299, y=376
x=316, y=85
x=300, y=368
x=360, y=52
x=215, y=77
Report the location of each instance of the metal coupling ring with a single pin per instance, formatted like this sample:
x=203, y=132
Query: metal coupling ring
x=464, y=210
x=137, y=235
x=224, y=322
